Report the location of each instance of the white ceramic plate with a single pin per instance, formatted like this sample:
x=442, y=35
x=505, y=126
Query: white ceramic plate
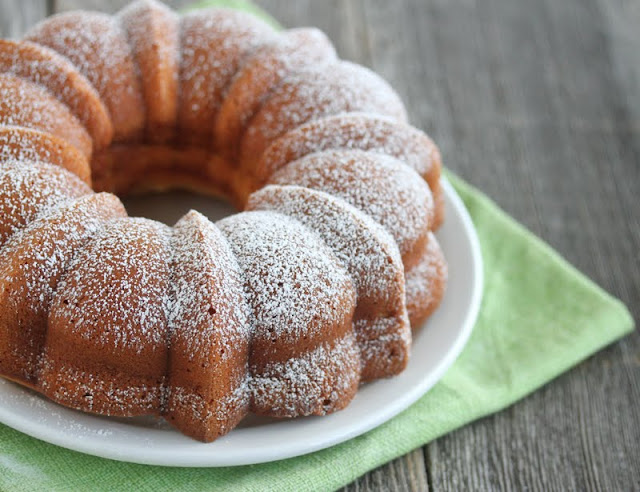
x=258, y=440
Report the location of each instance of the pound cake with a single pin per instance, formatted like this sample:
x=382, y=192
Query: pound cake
x=281, y=310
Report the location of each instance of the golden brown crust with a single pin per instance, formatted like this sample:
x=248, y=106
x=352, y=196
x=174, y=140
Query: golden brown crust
x=214, y=43
x=32, y=265
x=153, y=33
x=28, y=145
x=47, y=68
x=97, y=46
x=426, y=284
x=23, y=103
x=265, y=69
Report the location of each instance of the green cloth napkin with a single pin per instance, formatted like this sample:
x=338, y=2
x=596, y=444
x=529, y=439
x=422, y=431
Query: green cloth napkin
x=539, y=317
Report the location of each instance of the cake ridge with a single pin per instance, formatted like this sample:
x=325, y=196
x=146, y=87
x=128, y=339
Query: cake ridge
x=97, y=46
x=316, y=92
x=207, y=376
x=263, y=73
x=357, y=131
x=27, y=145
x=34, y=260
x=214, y=43
x=153, y=34
x=45, y=67
x=371, y=257
x=23, y=103
x=402, y=202
x=27, y=191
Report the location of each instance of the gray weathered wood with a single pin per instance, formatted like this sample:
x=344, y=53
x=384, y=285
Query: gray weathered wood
x=538, y=104
x=110, y=7
x=17, y=15
x=534, y=114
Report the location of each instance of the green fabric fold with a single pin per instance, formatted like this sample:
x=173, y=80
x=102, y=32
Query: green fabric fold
x=539, y=317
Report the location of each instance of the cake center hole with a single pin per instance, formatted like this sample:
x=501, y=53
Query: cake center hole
x=168, y=207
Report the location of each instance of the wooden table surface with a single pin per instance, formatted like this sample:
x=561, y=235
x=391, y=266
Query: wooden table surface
x=536, y=102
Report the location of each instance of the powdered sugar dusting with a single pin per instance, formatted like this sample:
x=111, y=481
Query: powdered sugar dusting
x=310, y=94
x=318, y=382
x=367, y=250
x=28, y=190
x=123, y=271
x=17, y=146
x=293, y=283
x=377, y=184
x=26, y=145
x=97, y=45
x=214, y=43
x=265, y=69
x=385, y=345
x=47, y=68
x=355, y=131
x=23, y=103
x=70, y=385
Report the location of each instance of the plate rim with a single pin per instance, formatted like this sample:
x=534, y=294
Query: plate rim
x=65, y=440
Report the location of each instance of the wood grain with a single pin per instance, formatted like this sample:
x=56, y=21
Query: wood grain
x=17, y=15
x=538, y=104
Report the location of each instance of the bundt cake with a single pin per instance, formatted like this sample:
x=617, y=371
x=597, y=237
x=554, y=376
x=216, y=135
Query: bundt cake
x=282, y=309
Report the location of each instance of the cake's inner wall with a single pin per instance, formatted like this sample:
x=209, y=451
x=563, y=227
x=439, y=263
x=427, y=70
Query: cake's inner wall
x=163, y=183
